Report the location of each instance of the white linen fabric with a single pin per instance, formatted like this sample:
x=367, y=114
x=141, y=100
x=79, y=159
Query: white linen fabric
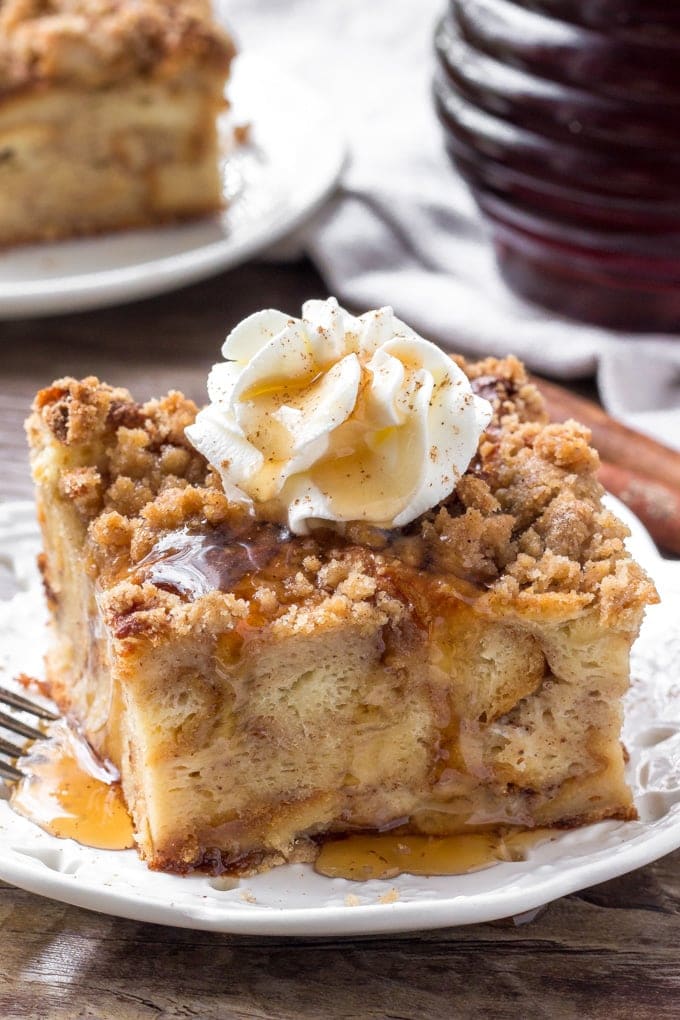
x=403, y=230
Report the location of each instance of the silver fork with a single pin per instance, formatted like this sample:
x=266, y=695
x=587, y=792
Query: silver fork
x=21, y=728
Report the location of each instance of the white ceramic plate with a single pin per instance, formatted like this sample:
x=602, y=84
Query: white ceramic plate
x=294, y=900
x=272, y=185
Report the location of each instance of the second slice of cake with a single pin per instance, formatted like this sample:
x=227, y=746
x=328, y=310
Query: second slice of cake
x=108, y=115
x=267, y=661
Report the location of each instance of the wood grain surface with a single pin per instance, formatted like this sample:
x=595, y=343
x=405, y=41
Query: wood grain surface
x=609, y=952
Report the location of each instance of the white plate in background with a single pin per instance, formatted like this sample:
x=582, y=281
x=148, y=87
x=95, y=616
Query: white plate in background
x=294, y=900
x=272, y=184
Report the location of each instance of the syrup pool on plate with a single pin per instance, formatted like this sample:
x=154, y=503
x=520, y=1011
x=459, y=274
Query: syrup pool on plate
x=363, y=857
x=69, y=793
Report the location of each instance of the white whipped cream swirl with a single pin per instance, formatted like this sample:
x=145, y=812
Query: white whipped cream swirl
x=332, y=418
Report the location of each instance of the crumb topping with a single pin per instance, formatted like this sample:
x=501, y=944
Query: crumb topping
x=524, y=533
x=94, y=43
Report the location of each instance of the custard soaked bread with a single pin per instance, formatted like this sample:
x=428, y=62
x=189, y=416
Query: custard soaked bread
x=107, y=114
x=260, y=687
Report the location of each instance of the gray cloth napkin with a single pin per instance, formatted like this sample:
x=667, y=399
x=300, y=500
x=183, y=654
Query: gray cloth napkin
x=403, y=229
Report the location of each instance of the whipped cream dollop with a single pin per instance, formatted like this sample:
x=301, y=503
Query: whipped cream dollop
x=333, y=418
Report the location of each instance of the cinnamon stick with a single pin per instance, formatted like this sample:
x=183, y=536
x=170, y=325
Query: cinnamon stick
x=657, y=505
x=616, y=443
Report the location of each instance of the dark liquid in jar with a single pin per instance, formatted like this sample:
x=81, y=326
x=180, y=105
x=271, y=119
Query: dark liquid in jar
x=562, y=116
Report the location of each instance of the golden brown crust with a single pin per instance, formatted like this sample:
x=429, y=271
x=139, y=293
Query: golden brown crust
x=95, y=43
x=524, y=534
x=134, y=451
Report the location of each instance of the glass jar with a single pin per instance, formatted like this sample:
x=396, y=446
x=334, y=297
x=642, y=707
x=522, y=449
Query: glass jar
x=564, y=118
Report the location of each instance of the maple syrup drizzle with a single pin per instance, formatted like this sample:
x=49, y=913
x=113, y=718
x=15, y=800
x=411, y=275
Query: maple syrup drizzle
x=363, y=857
x=69, y=793
x=192, y=564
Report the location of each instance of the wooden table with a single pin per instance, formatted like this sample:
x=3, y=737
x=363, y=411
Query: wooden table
x=611, y=951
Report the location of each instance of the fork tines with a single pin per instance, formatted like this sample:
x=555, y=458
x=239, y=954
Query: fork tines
x=21, y=728
x=9, y=772
x=11, y=750
x=24, y=705
x=8, y=722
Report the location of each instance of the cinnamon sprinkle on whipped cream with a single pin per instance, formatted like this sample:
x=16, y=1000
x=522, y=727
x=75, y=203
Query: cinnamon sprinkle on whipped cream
x=334, y=418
